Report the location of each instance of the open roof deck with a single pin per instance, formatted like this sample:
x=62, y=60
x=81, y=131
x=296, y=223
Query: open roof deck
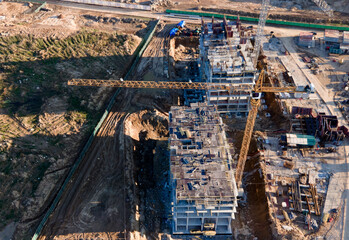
x=200, y=156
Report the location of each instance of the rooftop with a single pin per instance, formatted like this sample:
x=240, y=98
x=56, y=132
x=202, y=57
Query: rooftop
x=228, y=52
x=199, y=153
x=300, y=140
x=346, y=35
x=331, y=33
x=306, y=36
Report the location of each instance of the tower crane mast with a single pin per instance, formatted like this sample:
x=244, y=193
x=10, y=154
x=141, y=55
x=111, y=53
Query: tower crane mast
x=260, y=29
x=263, y=18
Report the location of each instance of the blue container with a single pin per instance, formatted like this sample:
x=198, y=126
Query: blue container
x=181, y=24
x=173, y=32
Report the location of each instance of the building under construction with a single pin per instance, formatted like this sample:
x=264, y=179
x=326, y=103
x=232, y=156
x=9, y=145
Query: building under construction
x=204, y=192
x=226, y=57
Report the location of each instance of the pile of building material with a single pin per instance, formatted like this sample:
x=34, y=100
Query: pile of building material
x=325, y=127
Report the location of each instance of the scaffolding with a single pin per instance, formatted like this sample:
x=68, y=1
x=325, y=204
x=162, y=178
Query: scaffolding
x=226, y=57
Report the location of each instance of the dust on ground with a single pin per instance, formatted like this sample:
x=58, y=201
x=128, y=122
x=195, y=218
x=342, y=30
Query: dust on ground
x=61, y=22
x=43, y=122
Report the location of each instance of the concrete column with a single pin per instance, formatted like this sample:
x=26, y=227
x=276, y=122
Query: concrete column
x=186, y=227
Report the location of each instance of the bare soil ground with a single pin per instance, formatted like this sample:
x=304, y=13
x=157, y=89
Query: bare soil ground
x=61, y=22
x=118, y=191
x=43, y=122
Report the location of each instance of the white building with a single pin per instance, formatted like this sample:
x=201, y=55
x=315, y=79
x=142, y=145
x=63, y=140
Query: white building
x=226, y=58
x=204, y=192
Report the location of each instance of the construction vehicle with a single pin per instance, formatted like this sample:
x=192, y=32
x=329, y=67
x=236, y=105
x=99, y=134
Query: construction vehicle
x=177, y=30
x=173, y=32
x=258, y=89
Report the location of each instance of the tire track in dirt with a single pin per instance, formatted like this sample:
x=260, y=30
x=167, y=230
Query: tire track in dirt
x=153, y=56
x=86, y=204
x=101, y=198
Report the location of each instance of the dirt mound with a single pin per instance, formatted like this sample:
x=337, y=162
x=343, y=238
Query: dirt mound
x=153, y=123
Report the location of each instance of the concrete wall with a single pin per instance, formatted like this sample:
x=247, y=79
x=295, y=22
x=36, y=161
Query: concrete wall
x=188, y=216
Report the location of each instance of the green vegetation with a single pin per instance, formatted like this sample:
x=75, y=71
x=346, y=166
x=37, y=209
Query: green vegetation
x=33, y=71
x=85, y=44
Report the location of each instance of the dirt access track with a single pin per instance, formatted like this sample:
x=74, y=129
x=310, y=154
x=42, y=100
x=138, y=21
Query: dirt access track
x=115, y=193
x=43, y=122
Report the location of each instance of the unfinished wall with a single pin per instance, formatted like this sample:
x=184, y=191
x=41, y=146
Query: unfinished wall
x=226, y=58
x=203, y=185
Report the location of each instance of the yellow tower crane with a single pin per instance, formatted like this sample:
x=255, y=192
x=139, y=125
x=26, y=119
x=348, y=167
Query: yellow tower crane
x=258, y=88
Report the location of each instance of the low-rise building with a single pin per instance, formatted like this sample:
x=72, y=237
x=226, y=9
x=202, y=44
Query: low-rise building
x=306, y=39
x=331, y=36
x=345, y=43
x=204, y=192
